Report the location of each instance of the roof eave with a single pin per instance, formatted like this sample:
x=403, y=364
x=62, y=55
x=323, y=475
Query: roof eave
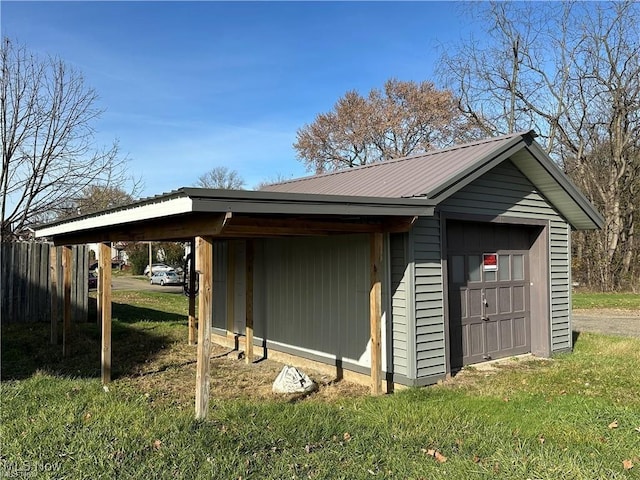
x=590, y=219
x=192, y=200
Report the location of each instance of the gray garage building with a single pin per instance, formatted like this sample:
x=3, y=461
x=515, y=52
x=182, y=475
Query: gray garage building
x=476, y=260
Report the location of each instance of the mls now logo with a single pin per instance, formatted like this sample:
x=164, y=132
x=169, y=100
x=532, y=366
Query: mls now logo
x=27, y=468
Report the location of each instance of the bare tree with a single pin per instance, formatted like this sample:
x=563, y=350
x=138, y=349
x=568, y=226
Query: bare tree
x=402, y=119
x=277, y=178
x=96, y=198
x=572, y=72
x=48, y=152
x=222, y=178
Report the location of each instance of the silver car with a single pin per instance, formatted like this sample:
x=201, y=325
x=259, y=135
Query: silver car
x=157, y=267
x=165, y=278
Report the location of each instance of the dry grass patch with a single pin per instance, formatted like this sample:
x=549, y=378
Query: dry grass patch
x=170, y=378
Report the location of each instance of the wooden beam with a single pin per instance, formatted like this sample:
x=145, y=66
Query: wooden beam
x=66, y=289
x=204, y=249
x=165, y=229
x=53, y=269
x=192, y=294
x=248, y=226
x=249, y=256
x=226, y=225
x=105, y=308
x=375, y=312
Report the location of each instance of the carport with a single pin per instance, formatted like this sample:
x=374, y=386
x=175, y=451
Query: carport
x=204, y=216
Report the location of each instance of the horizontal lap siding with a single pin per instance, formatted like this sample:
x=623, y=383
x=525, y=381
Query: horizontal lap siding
x=428, y=299
x=505, y=191
x=560, y=285
x=399, y=303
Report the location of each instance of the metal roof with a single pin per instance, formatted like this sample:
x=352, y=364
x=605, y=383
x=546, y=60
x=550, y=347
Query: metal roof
x=410, y=186
x=414, y=176
x=439, y=174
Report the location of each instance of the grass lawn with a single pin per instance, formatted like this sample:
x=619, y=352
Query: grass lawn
x=576, y=416
x=624, y=301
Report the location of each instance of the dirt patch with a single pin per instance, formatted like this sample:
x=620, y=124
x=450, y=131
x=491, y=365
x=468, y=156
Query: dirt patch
x=611, y=321
x=170, y=378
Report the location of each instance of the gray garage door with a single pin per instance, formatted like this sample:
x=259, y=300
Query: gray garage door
x=488, y=291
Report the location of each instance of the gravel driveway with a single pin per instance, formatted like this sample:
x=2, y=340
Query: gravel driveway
x=610, y=321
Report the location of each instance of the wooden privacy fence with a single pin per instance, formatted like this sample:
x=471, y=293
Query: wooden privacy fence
x=25, y=282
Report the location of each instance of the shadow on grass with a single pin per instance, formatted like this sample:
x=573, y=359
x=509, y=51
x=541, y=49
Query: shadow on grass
x=574, y=337
x=138, y=335
x=126, y=313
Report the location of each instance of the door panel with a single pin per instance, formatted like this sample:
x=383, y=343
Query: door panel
x=475, y=339
x=520, y=335
x=504, y=295
x=488, y=309
x=474, y=306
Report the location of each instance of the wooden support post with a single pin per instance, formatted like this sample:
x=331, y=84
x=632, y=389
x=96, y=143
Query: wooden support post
x=192, y=294
x=66, y=288
x=99, y=293
x=105, y=308
x=53, y=269
x=204, y=250
x=249, y=302
x=375, y=312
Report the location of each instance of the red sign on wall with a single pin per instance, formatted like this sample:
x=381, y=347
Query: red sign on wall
x=490, y=262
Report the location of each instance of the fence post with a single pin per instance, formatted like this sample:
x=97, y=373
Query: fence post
x=66, y=288
x=53, y=269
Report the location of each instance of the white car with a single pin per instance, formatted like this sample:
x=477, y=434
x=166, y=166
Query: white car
x=158, y=267
x=165, y=278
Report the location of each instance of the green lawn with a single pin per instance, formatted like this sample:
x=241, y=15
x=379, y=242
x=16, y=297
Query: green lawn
x=574, y=417
x=626, y=301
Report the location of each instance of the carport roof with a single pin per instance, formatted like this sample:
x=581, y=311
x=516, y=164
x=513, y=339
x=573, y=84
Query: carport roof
x=189, y=212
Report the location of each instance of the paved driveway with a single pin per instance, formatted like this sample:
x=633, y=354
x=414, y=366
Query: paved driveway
x=141, y=284
x=609, y=321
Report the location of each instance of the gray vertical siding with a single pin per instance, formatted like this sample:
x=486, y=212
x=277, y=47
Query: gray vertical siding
x=315, y=296
x=239, y=287
x=506, y=191
x=220, y=249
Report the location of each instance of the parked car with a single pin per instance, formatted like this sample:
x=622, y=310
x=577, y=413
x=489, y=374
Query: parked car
x=158, y=267
x=165, y=278
x=115, y=263
x=93, y=281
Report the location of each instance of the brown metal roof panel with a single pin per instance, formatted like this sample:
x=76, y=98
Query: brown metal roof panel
x=405, y=177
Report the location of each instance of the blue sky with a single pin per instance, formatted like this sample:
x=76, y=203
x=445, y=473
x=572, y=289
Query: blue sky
x=187, y=86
